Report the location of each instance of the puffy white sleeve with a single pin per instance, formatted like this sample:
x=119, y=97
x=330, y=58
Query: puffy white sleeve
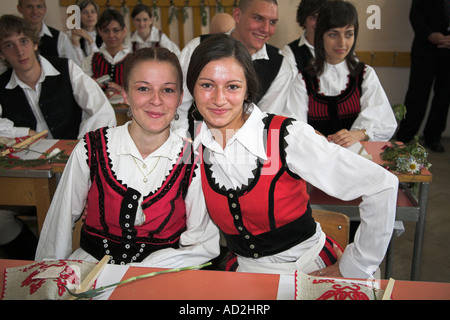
x=97, y=110
x=55, y=240
x=376, y=115
x=345, y=175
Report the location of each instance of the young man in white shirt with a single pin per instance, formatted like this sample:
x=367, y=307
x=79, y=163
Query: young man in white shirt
x=37, y=95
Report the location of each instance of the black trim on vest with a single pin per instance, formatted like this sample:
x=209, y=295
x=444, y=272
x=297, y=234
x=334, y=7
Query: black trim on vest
x=277, y=239
x=128, y=245
x=274, y=241
x=335, y=123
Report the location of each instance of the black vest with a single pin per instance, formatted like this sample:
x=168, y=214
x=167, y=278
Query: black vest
x=48, y=46
x=57, y=103
x=302, y=54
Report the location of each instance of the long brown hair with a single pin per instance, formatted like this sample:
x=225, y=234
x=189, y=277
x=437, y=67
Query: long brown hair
x=334, y=14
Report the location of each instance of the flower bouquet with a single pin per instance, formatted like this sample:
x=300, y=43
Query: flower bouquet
x=405, y=158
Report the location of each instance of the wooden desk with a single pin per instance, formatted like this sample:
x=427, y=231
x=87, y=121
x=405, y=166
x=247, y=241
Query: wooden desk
x=35, y=186
x=221, y=285
x=410, y=206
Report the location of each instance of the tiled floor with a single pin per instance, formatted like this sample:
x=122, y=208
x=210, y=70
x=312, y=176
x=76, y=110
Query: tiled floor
x=435, y=264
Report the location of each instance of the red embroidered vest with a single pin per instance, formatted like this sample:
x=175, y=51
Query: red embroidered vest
x=109, y=226
x=101, y=67
x=329, y=114
x=272, y=213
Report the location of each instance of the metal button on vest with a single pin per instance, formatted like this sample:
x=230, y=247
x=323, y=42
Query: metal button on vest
x=236, y=217
x=247, y=237
x=252, y=246
x=234, y=205
x=231, y=196
x=255, y=255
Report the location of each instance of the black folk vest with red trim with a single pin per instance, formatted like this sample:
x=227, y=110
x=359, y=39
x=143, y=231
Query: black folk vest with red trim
x=329, y=114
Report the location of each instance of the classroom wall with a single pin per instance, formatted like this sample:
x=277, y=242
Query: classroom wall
x=395, y=34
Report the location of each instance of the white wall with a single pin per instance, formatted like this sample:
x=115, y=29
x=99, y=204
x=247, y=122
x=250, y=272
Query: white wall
x=395, y=34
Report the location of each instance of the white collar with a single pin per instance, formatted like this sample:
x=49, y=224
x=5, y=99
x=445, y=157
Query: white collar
x=47, y=70
x=45, y=31
x=261, y=54
x=249, y=135
x=154, y=36
x=126, y=146
x=340, y=68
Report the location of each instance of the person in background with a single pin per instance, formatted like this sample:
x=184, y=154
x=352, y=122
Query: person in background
x=140, y=181
x=86, y=39
x=221, y=22
x=255, y=24
x=111, y=58
x=339, y=96
x=255, y=168
x=301, y=51
x=53, y=43
x=430, y=68
x=146, y=34
x=38, y=94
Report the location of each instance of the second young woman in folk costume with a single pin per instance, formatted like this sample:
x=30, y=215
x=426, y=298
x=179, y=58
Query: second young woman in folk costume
x=340, y=97
x=111, y=58
x=140, y=182
x=254, y=172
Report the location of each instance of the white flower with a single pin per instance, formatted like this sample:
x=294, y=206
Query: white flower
x=413, y=166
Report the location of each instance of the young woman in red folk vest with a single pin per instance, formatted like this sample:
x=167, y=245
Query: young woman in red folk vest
x=340, y=97
x=110, y=59
x=140, y=181
x=254, y=170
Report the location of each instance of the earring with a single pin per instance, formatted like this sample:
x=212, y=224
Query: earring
x=177, y=116
x=129, y=113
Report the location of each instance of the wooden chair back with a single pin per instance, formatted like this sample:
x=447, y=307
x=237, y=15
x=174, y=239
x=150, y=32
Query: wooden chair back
x=336, y=225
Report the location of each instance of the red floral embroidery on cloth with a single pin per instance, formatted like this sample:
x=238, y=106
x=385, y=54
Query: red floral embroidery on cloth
x=317, y=288
x=352, y=292
x=66, y=276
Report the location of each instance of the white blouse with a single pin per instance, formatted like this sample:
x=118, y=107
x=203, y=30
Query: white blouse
x=163, y=40
x=198, y=244
x=329, y=167
x=376, y=115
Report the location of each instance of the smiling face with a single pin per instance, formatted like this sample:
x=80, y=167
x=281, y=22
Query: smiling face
x=256, y=24
x=142, y=22
x=113, y=35
x=154, y=94
x=219, y=92
x=33, y=11
x=337, y=43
